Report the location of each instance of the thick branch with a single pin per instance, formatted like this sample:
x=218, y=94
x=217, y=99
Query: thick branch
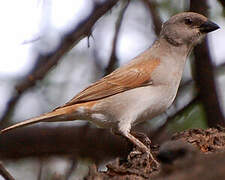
x=76, y=141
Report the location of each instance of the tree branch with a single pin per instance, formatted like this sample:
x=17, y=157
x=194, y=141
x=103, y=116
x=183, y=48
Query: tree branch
x=204, y=74
x=157, y=22
x=49, y=60
x=222, y=2
x=5, y=173
x=113, y=61
x=75, y=141
x=71, y=169
x=220, y=68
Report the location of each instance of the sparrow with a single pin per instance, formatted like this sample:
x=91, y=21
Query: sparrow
x=139, y=90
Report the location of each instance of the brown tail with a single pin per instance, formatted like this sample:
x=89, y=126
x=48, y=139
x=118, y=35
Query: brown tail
x=54, y=116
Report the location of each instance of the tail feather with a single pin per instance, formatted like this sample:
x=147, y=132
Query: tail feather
x=45, y=117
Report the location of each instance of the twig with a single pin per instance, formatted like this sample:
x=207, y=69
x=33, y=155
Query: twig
x=113, y=61
x=31, y=40
x=71, y=169
x=5, y=173
x=157, y=22
x=220, y=67
x=51, y=59
x=222, y=2
x=183, y=86
x=40, y=170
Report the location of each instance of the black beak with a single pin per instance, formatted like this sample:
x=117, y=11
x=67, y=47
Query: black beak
x=208, y=26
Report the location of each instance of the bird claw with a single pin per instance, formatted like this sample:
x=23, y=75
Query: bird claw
x=134, y=153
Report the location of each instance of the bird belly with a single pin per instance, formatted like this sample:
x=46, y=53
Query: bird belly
x=133, y=106
x=153, y=106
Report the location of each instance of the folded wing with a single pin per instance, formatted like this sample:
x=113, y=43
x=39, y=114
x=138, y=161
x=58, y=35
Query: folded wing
x=135, y=75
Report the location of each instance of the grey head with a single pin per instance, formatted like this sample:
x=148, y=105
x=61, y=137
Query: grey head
x=187, y=28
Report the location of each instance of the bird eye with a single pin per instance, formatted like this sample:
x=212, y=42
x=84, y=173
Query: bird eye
x=188, y=21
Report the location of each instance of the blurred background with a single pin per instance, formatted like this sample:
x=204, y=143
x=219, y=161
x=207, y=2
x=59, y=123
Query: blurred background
x=51, y=50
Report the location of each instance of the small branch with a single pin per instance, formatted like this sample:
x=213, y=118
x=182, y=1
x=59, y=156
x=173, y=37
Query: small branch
x=222, y=2
x=157, y=22
x=183, y=86
x=71, y=169
x=40, y=170
x=220, y=67
x=32, y=40
x=49, y=60
x=195, y=100
x=5, y=173
x=113, y=61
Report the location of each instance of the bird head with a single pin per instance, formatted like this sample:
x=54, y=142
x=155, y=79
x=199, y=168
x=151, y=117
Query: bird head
x=187, y=28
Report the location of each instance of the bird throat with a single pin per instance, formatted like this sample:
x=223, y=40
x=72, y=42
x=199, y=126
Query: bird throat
x=172, y=41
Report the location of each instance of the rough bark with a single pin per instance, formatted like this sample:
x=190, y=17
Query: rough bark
x=189, y=155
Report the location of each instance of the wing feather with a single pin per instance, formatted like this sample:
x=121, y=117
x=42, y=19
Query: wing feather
x=135, y=74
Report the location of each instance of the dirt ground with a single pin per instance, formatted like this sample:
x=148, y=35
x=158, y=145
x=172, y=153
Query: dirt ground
x=192, y=154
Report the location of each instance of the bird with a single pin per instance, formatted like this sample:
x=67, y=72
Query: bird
x=139, y=90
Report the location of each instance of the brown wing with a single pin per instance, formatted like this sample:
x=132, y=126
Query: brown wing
x=135, y=74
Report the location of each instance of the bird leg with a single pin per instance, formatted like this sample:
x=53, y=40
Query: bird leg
x=140, y=145
x=142, y=137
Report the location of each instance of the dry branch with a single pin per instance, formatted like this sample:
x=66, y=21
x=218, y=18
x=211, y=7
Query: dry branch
x=71, y=169
x=4, y=173
x=49, y=60
x=113, y=57
x=222, y=2
x=75, y=141
x=157, y=22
